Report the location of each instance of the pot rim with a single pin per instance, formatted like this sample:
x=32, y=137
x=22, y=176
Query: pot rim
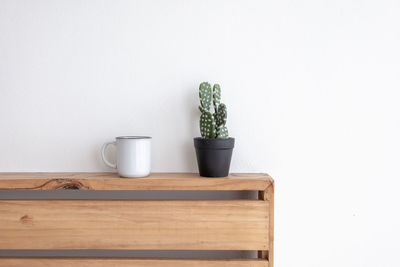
x=217, y=143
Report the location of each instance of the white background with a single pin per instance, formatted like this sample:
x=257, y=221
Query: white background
x=312, y=90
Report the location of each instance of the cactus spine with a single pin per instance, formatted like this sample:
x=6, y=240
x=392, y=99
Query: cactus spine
x=212, y=125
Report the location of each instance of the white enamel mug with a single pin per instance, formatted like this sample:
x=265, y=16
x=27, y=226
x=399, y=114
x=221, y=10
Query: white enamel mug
x=133, y=155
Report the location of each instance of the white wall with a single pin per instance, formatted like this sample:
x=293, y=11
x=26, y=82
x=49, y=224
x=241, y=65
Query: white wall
x=312, y=89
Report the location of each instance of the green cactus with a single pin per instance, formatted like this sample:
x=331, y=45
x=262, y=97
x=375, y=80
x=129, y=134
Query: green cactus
x=212, y=125
x=205, y=96
x=222, y=132
x=221, y=115
x=216, y=96
x=207, y=125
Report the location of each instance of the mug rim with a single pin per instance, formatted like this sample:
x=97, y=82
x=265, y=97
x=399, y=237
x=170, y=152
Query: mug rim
x=133, y=137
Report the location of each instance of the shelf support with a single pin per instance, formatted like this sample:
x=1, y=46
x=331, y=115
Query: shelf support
x=268, y=195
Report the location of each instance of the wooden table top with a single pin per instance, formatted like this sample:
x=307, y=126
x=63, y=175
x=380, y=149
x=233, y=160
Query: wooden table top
x=111, y=181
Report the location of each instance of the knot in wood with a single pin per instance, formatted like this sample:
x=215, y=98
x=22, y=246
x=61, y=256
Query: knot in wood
x=69, y=184
x=26, y=219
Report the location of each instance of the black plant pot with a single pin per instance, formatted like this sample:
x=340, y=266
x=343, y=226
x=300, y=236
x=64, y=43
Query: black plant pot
x=214, y=156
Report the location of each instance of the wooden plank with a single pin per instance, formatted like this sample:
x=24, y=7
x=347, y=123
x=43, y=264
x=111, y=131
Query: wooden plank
x=101, y=262
x=129, y=224
x=111, y=181
x=268, y=195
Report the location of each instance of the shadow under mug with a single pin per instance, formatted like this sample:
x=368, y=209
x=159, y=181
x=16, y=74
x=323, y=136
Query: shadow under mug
x=133, y=157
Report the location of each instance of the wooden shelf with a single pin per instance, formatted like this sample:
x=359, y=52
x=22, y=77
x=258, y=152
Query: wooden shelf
x=111, y=181
x=48, y=224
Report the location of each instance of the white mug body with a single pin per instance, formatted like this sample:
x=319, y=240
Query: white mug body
x=133, y=156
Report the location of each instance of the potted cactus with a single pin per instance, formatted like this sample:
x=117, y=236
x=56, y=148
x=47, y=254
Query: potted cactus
x=214, y=147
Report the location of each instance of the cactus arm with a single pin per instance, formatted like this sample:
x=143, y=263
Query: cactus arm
x=207, y=125
x=221, y=116
x=216, y=96
x=213, y=130
x=205, y=95
x=223, y=132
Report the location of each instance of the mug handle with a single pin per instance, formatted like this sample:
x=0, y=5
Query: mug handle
x=103, y=155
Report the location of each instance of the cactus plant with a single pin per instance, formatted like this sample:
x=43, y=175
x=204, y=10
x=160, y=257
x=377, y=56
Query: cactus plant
x=216, y=95
x=205, y=96
x=207, y=125
x=212, y=125
x=221, y=115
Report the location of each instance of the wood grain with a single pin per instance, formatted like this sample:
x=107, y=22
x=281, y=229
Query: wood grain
x=132, y=224
x=268, y=195
x=137, y=224
x=111, y=181
x=79, y=262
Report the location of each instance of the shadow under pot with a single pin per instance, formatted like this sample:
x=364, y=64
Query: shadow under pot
x=214, y=156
